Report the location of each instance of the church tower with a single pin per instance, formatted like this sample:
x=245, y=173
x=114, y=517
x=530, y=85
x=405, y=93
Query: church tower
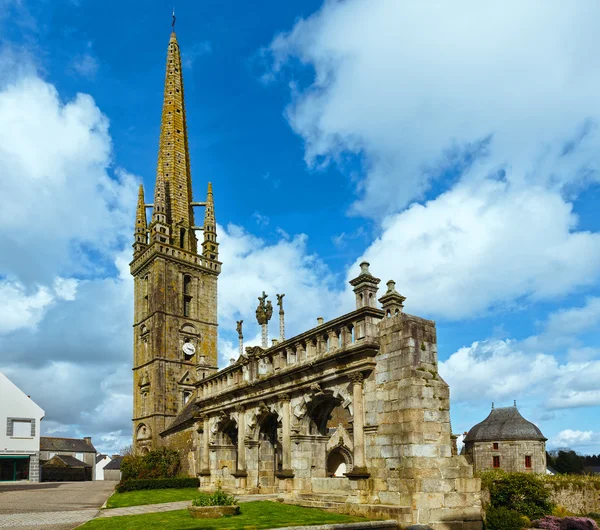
x=175, y=308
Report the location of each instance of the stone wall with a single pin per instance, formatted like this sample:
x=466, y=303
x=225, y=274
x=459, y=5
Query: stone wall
x=512, y=455
x=578, y=500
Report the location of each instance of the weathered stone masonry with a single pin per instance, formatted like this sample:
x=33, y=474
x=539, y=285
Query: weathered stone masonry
x=350, y=415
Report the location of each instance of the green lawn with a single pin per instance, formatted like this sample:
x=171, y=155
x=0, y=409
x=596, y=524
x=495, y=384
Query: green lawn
x=137, y=498
x=254, y=515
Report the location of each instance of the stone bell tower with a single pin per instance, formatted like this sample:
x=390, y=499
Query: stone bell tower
x=175, y=309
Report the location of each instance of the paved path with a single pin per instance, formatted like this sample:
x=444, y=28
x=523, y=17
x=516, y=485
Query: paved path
x=51, y=505
x=171, y=506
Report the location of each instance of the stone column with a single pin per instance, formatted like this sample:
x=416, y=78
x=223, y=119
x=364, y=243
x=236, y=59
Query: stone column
x=264, y=335
x=286, y=445
x=205, y=454
x=360, y=467
x=241, y=472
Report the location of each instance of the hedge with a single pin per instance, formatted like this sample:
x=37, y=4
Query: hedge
x=156, y=484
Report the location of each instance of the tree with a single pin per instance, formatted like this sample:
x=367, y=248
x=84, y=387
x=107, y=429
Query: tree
x=568, y=462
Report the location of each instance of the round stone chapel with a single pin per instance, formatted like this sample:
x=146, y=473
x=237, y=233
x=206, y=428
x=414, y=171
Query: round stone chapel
x=506, y=440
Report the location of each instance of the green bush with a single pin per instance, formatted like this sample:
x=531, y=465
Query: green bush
x=156, y=484
x=522, y=492
x=217, y=498
x=158, y=463
x=504, y=519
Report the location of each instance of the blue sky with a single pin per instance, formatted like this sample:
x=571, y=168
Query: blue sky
x=455, y=148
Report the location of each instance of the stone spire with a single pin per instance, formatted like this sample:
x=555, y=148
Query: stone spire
x=173, y=167
x=141, y=224
x=210, y=247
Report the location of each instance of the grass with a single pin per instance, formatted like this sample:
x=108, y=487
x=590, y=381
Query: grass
x=137, y=498
x=253, y=516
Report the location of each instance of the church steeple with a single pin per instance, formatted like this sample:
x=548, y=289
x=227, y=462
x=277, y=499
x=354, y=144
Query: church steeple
x=141, y=224
x=175, y=289
x=210, y=247
x=173, y=168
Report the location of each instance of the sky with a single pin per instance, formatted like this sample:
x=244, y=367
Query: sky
x=453, y=145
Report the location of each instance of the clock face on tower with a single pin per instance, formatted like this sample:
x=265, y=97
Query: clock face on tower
x=189, y=349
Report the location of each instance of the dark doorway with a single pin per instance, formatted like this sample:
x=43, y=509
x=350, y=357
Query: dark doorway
x=14, y=468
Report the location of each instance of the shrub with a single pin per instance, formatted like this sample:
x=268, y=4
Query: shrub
x=158, y=463
x=522, y=492
x=217, y=498
x=504, y=519
x=561, y=511
x=566, y=523
x=157, y=483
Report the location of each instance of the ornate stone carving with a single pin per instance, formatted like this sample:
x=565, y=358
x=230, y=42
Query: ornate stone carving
x=264, y=311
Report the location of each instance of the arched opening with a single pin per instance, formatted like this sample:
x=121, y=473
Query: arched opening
x=225, y=444
x=339, y=461
x=187, y=295
x=269, y=453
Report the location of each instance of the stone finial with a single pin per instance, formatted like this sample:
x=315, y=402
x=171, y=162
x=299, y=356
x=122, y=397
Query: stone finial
x=320, y=321
x=238, y=328
x=515, y=403
x=492, y=405
x=274, y=342
x=392, y=301
x=364, y=268
x=365, y=287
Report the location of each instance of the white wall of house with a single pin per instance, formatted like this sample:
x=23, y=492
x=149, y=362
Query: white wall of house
x=100, y=467
x=20, y=419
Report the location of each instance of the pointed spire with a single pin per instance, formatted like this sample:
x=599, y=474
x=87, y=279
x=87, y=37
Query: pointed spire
x=173, y=168
x=210, y=247
x=141, y=223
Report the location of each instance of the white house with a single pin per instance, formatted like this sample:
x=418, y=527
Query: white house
x=101, y=461
x=20, y=419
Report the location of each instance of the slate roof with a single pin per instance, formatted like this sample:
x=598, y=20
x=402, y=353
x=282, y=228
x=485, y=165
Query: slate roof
x=115, y=463
x=69, y=461
x=185, y=416
x=99, y=457
x=76, y=445
x=504, y=424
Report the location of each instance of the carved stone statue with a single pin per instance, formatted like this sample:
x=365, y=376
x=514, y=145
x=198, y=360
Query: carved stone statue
x=264, y=311
x=239, y=328
x=280, y=302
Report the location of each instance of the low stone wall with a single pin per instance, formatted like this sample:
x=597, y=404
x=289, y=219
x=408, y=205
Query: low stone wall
x=578, y=500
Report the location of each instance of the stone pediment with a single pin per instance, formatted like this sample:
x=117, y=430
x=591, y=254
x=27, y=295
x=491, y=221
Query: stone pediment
x=188, y=379
x=340, y=437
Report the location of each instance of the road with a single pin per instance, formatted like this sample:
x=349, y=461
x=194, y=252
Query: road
x=51, y=505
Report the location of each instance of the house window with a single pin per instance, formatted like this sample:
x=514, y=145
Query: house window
x=496, y=461
x=20, y=427
x=495, y=446
x=528, y=461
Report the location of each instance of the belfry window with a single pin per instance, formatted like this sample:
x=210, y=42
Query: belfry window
x=187, y=297
x=182, y=238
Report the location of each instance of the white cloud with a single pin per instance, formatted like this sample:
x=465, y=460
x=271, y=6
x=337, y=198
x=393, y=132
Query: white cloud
x=482, y=246
x=56, y=195
x=499, y=370
x=418, y=89
x=251, y=265
x=86, y=65
x=574, y=439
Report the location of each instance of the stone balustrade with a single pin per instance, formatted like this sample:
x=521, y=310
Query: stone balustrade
x=349, y=331
x=173, y=252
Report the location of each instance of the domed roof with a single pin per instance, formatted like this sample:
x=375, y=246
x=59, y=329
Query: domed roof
x=504, y=424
